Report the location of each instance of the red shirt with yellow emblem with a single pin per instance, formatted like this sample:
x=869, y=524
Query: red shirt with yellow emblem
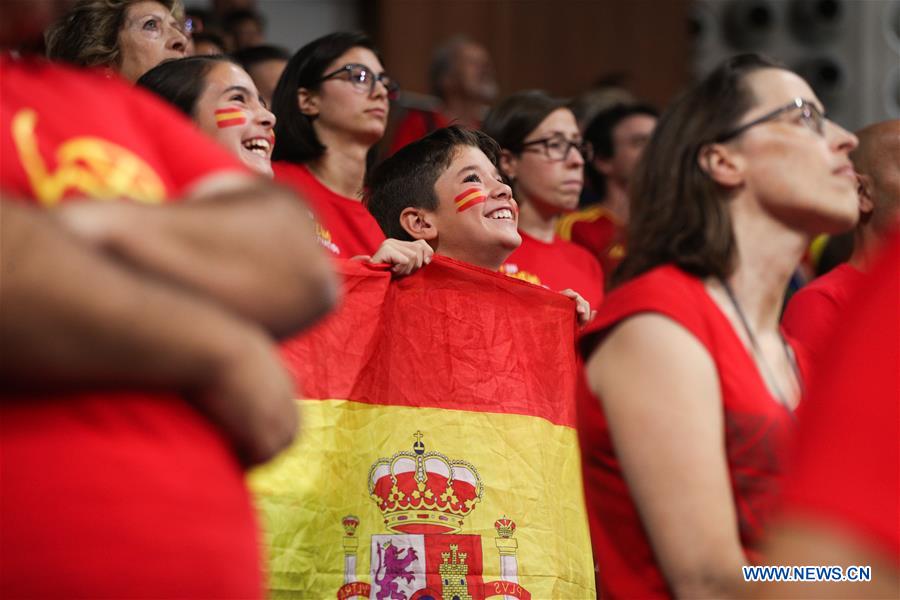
x=344, y=225
x=114, y=493
x=599, y=232
x=556, y=265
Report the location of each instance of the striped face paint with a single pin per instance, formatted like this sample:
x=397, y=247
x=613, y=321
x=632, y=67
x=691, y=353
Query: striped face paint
x=468, y=199
x=229, y=117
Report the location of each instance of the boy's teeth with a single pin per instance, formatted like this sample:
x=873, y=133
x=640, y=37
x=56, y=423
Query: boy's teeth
x=503, y=213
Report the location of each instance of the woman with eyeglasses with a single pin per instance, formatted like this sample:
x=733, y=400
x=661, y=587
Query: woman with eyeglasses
x=695, y=384
x=543, y=157
x=332, y=107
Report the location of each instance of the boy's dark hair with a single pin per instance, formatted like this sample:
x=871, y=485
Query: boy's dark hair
x=181, y=81
x=297, y=140
x=600, y=134
x=248, y=57
x=407, y=178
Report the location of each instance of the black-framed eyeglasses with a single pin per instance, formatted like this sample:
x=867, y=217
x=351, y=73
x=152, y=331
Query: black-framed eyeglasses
x=557, y=147
x=810, y=117
x=363, y=79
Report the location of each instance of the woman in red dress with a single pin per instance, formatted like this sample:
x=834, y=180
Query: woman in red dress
x=695, y=385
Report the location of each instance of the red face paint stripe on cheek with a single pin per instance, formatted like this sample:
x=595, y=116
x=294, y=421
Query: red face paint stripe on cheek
x=229, y=117
x=468, y=199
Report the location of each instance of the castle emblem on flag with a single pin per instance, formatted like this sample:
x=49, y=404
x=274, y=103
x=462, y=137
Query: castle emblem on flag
x=424, y=498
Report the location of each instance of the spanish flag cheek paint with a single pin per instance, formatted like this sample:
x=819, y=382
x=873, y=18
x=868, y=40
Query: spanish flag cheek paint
x=229, y=117
x=468, y=199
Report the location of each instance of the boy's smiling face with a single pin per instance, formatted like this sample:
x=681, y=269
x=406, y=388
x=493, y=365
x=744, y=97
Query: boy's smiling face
x=476, y=217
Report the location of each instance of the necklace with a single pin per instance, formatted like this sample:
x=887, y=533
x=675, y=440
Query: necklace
x=768, y=373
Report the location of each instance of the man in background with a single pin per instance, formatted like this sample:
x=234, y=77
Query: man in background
x=815, y=311
x=618, y=135
x=462, y=77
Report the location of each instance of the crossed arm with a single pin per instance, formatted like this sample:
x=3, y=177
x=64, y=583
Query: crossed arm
x=245, y=243
x=84, y=300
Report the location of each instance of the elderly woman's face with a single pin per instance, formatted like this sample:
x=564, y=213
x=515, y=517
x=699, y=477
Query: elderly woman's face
x=149, y=35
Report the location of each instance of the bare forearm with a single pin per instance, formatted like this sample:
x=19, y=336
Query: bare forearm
x=71, y=315
x=251, y=249
x=720, y=580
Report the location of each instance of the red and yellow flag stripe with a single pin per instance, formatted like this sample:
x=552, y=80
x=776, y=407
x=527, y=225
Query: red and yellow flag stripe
x=469, y=198
x=229, y=117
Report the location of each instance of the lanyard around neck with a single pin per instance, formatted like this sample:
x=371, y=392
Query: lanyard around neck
x=768, y=373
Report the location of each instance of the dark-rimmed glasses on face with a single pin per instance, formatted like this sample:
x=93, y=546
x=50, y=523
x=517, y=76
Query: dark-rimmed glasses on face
x=557, y=147
x=810, y=117
x=363, y=79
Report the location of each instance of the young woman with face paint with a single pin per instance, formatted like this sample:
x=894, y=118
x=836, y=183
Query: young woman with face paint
x=221, y=99
x=543, y=157
x=695, y=384
x=332, y=107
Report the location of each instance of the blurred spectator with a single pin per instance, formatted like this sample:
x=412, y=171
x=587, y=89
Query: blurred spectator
x=842, y=502
x=197, y=20
x=265, y=64
x=543, y=157
x=618, y=136
x=462, y=77
x=207, y=43
x=128, y=36
x=602, y=96
x=220, y=8
x=243, y=29
x=138, y=369
x=815, y=311
x=221, y=99
x=831, y=251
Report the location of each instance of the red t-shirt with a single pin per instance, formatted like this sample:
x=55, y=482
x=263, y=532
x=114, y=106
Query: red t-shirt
x=415, y=125
x=343, y=225
x=595, y=229
x=846, y=470
x=757, y=428
x=818, y=308
x=556, y=265
x=116, y=493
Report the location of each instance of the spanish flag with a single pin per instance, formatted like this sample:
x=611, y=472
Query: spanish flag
x=438, y=456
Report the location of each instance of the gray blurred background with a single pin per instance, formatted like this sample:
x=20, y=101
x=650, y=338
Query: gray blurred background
x=849, y=50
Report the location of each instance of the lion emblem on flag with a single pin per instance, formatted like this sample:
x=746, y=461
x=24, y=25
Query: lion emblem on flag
x=425, y=497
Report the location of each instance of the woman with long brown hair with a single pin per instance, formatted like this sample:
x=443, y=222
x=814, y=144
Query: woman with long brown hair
x=696, y=382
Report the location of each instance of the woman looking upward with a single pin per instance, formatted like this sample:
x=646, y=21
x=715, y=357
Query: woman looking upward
x=696, y=381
